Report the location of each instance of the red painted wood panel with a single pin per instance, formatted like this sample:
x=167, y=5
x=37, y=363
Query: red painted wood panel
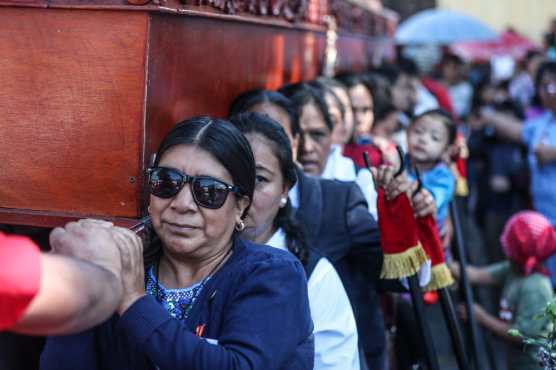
x=71, y=103
x=79, y=119
x=199, y=65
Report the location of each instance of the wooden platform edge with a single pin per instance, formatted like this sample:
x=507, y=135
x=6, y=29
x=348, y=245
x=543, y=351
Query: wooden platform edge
x=54, y=219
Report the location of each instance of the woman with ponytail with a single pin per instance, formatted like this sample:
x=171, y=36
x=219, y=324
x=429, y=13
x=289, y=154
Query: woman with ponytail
x=270, y=221
x=528, y=240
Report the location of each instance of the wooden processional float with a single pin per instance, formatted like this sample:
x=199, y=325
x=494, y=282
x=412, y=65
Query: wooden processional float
x=89, y=88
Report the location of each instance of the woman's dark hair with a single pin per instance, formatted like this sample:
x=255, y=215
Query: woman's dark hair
x=446, y=120
x=477, y=101
x=508, y=106
x=327, y=89
x=260, y=124
x=392, y=72
x=332, y=83
x=225, y=143
x=384, y=111
x=377, y=85
x=531, y=54
x=302, y=94
x=545, y=68
x=249, y=99
x=453, y=59
x=380, y=89
x=349, y=80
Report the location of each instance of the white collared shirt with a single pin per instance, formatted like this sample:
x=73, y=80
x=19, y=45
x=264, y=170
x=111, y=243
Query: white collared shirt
x=339, y=167
x=336, y=345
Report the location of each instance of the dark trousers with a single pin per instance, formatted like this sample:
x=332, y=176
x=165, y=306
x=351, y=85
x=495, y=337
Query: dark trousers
x=18, y=352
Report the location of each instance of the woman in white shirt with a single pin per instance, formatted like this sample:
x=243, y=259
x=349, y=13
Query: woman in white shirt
x=270, y=222
x=338, y=166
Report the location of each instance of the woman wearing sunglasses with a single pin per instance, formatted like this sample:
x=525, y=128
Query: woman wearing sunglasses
x=270, y=222
x=206, y=299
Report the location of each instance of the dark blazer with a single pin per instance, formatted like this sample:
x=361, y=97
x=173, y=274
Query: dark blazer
x=255, y=306
x=337, y=222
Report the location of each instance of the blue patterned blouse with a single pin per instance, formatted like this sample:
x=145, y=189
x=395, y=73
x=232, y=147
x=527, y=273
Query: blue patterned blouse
x=175, y=301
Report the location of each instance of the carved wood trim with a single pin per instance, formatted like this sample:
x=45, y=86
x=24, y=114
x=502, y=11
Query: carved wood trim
x=358, y=20
x=352, y=16
x=290, y=10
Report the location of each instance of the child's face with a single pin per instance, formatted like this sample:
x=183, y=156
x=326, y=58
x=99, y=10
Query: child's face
x=427, y=139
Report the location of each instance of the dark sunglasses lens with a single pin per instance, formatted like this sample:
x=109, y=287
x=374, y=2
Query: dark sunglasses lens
x=165, y=183
x=209, y=193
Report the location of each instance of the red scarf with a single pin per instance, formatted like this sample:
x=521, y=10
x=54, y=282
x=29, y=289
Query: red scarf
x=528, y=240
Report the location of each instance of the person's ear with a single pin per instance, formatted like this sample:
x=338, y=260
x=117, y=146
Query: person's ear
x=284, y=196
x=295, y=146
x=242, y=204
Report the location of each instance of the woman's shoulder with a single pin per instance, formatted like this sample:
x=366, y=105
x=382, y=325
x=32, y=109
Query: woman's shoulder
x=261, y=268
x=253, y=254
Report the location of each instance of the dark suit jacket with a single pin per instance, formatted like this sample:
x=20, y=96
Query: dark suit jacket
x=337, y=222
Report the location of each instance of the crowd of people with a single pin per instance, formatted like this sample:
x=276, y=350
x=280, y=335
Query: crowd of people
x=264, y=248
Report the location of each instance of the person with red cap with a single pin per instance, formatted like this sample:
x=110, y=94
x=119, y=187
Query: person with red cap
x=528, y=240
x=69, y=290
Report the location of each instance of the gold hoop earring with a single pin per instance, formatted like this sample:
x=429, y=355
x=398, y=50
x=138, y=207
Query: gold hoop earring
x=240, y=226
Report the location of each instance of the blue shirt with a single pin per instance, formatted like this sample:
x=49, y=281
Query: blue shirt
x=178, y=302
x=441, y=183
x=543, y=178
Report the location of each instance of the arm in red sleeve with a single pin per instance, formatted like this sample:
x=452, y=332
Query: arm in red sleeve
x=20, y=273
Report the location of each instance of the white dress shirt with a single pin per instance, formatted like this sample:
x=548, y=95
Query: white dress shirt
x=336, y=345
x=339, y=167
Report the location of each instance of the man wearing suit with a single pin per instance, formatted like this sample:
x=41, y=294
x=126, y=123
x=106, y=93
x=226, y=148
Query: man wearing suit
x=337, y=222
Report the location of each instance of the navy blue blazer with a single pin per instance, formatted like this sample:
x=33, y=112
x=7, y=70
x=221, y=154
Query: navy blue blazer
x=255, y=306
x=337, y=223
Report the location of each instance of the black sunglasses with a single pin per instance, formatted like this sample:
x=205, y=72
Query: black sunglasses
x=207, y=192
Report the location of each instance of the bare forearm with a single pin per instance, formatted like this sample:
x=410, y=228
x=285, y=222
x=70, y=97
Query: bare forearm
x=479, y=276
x=506, y=126
x=551, y=155
x=497, y=326
x=546, y=154
x=74, y=295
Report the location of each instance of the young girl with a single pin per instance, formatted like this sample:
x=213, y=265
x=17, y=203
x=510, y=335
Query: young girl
x=528, y=240
x=430, y=137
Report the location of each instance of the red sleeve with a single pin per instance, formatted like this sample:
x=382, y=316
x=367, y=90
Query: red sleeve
x=355, y=152
x=440, y=93
x=20, y=273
